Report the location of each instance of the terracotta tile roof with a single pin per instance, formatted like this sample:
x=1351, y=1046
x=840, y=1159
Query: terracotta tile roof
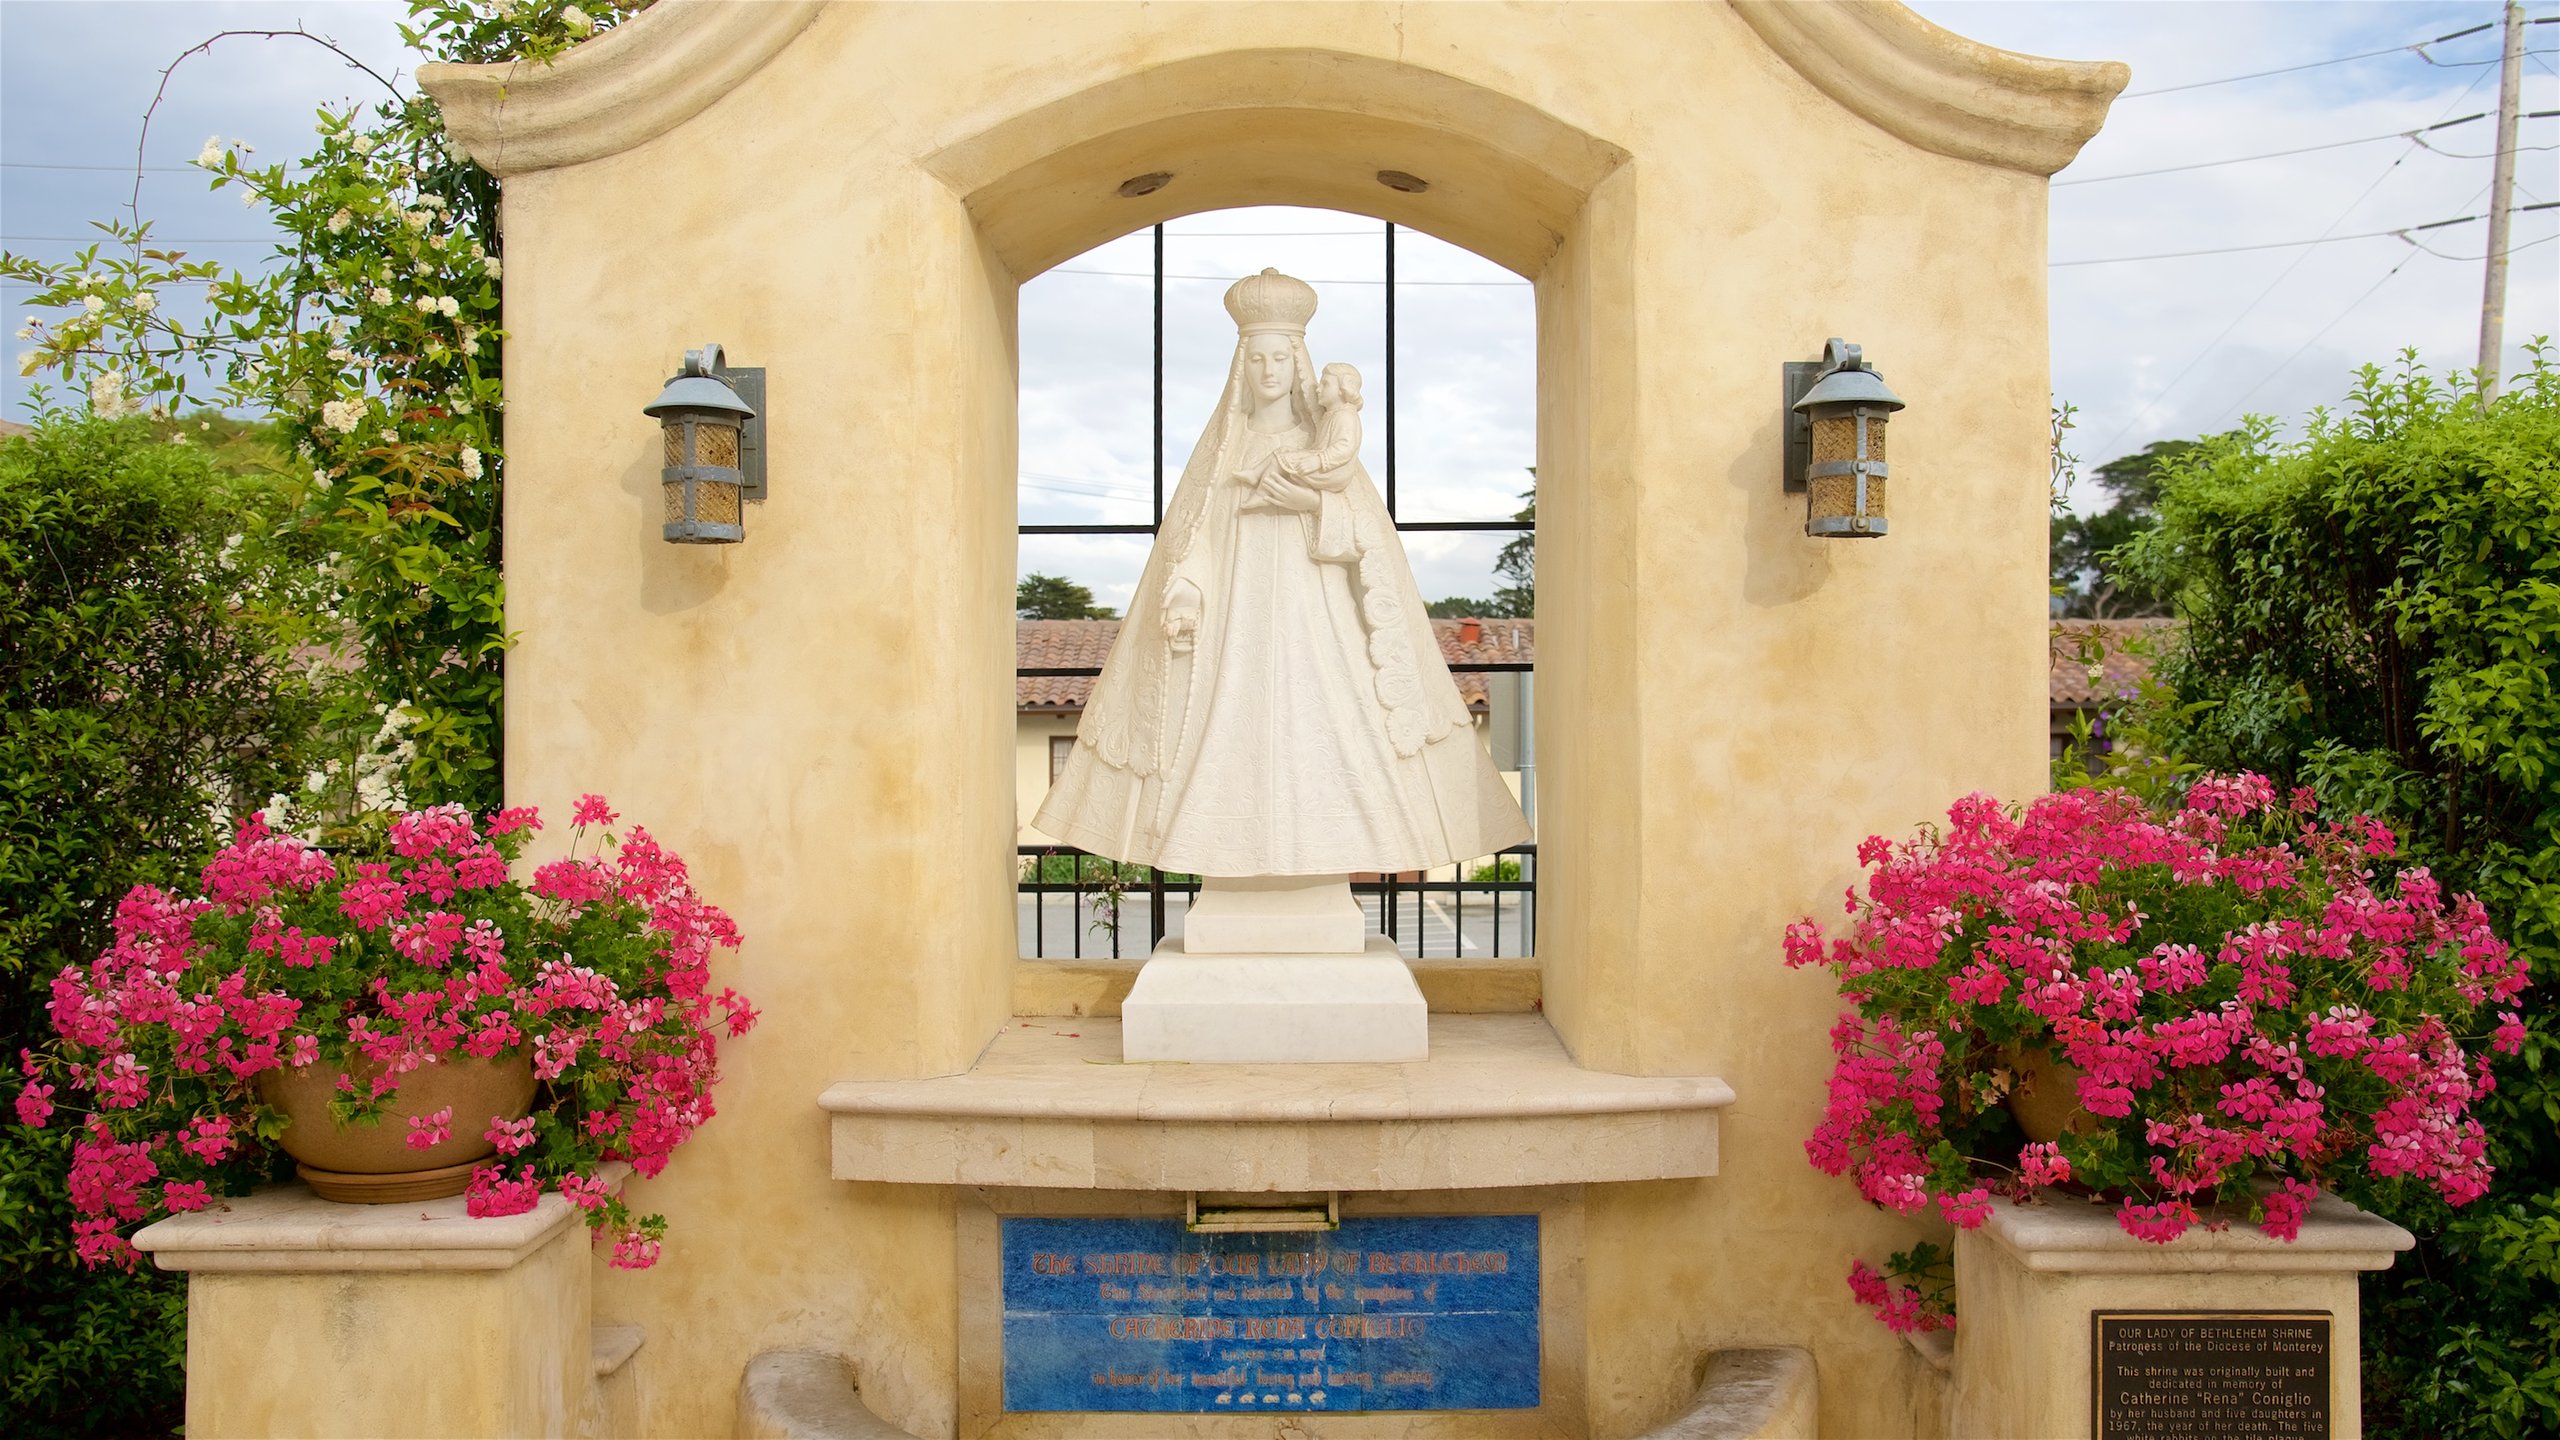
x=1058, y=644
x=2070, y=682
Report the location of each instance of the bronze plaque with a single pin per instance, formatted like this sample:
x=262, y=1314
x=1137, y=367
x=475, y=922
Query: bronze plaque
x=2209, y=1374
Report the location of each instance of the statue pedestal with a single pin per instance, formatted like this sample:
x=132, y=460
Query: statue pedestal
x=1275, y=915
x=1267, y=1008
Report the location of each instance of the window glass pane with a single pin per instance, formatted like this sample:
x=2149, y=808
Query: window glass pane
x=1087, y=388
x=1466, y=383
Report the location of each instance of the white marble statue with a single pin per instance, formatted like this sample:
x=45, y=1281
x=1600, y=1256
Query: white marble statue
x=1276, y=704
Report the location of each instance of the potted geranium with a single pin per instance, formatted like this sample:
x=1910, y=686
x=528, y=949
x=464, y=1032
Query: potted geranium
x=360, y=1001
x=2196, y=1013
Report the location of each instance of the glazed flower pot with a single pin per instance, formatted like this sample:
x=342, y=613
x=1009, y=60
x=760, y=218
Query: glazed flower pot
x=375, y=1164
x=2046, y=1099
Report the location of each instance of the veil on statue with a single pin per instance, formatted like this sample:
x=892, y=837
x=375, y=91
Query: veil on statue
x=1335, y=660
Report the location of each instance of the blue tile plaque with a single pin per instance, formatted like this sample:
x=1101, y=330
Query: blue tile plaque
x=1436, y=1312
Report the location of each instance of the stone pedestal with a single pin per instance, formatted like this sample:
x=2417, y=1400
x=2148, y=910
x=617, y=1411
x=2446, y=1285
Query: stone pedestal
x=2031, y=1282
x=1276, y=1008
x=1275, y=915
x=310, y=1318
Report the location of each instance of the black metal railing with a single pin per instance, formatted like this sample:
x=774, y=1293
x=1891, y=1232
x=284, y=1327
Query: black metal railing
x=1072, y=905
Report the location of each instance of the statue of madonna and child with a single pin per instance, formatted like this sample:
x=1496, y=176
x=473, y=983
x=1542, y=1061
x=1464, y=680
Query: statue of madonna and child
x=1275, y=715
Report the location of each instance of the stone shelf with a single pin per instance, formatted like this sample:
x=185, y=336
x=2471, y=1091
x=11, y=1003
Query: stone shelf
x=287, y=1229
x=1050, y=1104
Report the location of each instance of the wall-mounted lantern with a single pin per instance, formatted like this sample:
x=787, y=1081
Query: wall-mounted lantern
x=712, y=417
x=1836, y=413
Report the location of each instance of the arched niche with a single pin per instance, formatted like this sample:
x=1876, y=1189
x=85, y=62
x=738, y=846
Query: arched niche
x=1506, y=180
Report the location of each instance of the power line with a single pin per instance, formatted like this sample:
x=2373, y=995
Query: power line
x=2283, y=275
x=2301, y=150
x=2306, y=345
x=164, y=239
x=2476, y=259
x=1230, y=279
x=2403, y=232
x=2489, y=154
x=2415, y=47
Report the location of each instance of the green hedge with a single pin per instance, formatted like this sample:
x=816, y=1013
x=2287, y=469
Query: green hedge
x=2374, y=612
x=138, y=693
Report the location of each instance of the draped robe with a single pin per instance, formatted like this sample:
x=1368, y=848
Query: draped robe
x=1312, y=728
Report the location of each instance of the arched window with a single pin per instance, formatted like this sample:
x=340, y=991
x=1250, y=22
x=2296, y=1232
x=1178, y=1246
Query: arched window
x=1121, y=352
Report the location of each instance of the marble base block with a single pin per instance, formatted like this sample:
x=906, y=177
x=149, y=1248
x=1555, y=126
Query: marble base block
x=1275, y=915
x=1314, y=1009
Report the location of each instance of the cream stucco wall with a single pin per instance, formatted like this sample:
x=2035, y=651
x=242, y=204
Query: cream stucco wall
x=1032, y=733
x=820, y=719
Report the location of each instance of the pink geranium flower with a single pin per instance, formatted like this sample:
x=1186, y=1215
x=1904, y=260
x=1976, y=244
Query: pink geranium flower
x=2237, y=996
x=599, y=972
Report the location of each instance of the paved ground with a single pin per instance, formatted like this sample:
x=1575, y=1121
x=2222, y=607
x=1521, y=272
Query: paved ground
x=1054, y=928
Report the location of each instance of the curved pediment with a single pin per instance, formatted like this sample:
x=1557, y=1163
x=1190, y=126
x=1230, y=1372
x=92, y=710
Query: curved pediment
x=629, y=85
x=1931, y=87
x=1937, y=89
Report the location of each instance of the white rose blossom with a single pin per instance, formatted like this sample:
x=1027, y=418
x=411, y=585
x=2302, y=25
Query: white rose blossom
x=426, y=305
x=145, y=301
x=107, y=398
x=447, y=306
x=342, y=415
x=340, y=220
x=578, y=21
x=470, y=462
x=362, y=144
x=379, y=296
x=93, y=303
x=490, y=267
x=211, y=154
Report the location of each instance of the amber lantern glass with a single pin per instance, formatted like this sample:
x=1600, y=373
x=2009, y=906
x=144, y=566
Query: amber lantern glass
x=700, y=478
x=1849, y=408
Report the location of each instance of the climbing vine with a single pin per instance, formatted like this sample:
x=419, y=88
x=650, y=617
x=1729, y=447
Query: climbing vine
x=371, y=333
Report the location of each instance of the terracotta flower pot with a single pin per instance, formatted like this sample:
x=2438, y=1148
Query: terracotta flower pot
x=2046, y=1099
x=374, y=1164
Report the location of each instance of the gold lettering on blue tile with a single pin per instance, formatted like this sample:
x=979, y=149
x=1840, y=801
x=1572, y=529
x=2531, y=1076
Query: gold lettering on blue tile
x=1429, y=1312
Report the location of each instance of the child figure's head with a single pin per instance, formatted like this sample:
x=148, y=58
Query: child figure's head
x=1339, y=384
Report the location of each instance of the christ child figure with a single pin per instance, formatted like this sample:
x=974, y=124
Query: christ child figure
x=1326, y=467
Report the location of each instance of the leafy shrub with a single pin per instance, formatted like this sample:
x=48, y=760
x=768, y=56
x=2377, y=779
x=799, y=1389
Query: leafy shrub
x=139, y=691
x=2374, y=613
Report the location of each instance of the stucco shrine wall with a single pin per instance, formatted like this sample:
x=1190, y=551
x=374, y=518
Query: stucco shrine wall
x=821, y=719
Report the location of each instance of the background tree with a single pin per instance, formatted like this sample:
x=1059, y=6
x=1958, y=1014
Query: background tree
x=1050, y=597
x=1516, y=562
x=2087, y=575
x=2374, y=612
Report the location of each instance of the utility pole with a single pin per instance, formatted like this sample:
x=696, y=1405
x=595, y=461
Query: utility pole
x=2502, y=193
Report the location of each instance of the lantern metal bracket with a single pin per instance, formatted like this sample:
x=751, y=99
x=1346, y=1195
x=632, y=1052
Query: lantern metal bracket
x=1797, y=377
x=748, y=382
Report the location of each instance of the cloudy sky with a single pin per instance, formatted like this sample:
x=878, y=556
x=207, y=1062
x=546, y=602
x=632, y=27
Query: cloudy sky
x=2147, y=348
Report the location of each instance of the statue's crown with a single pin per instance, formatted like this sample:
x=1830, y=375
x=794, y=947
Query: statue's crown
x=1271, y=301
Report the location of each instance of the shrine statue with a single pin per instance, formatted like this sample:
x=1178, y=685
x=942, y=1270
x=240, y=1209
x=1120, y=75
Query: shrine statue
x=1276, y=703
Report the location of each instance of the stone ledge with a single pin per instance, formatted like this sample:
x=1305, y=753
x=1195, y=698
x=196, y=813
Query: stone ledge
x=1464, y=986
x=2063, y=1234
x=286, y=1229
x=1499, y=1103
